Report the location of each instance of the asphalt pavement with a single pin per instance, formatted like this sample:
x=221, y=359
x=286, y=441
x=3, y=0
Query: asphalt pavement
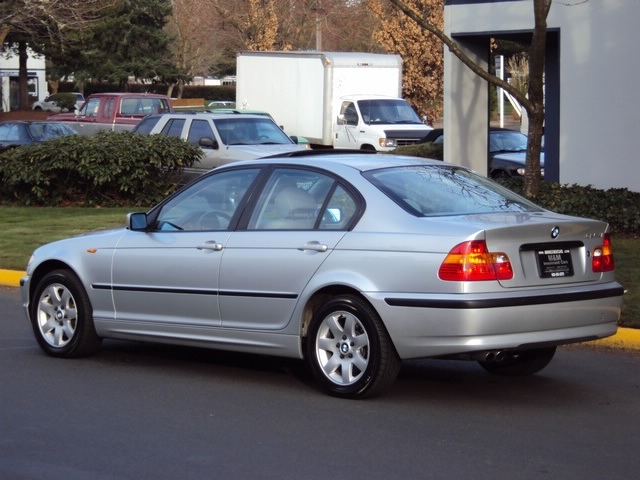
x=625, y=338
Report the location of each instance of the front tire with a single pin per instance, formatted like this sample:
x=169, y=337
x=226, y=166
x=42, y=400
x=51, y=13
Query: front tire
x=521, y=363
x=62, y=317
x=349, y=350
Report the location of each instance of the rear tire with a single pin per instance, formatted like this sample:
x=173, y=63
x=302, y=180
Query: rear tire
x=520, y=363
x=349, y=351
x=62, y=317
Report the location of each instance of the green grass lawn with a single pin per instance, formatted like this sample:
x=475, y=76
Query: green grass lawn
x=26, y=228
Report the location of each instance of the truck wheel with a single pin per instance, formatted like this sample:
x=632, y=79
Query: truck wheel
x=520, y=363
x=62, y=317
x=349, y=350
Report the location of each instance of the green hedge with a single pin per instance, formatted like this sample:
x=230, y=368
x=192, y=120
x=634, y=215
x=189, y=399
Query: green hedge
x=618, y=206
x=107, y=169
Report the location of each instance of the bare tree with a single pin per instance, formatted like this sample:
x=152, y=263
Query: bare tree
x=532, y=102
x=36, y=22
x=49, y=18
x=422, y=53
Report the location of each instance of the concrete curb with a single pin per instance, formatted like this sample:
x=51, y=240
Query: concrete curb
x=625, y=338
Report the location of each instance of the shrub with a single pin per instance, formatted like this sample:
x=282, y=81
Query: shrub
x=423, y=150
x=617, y=206
x=66, y=101
x=108, y=169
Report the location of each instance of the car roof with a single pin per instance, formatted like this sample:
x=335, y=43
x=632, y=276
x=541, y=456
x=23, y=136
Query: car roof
x=207, y=115
x=127, y=94
x=359, y=160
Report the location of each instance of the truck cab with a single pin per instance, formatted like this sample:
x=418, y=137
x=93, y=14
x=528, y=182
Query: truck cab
x=113, y=111
x=376, y=123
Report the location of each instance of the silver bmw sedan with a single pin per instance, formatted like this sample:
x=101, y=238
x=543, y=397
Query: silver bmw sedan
x=352, y=262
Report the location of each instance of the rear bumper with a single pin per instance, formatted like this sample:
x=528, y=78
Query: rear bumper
x=428, y=326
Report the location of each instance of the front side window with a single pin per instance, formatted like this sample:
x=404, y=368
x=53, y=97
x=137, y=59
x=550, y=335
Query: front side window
x=200, y=129
x=209, y=204
x=349, y=113
x=91, y=108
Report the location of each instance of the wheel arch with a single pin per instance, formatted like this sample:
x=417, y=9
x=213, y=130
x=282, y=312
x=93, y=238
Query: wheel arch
x=322, y=296
x=43, y=269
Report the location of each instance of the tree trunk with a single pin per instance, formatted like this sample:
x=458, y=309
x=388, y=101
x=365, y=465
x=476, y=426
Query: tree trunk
x=23, y=87
x=537, y=55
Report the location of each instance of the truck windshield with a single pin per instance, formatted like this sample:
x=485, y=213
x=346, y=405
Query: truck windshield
x=387, y=111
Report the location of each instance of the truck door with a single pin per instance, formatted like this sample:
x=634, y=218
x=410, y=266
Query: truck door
x=347, y=133
x=85, y=121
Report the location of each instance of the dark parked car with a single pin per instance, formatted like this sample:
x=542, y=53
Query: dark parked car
x=507, y=151
x=15, y=133
x=353, y=262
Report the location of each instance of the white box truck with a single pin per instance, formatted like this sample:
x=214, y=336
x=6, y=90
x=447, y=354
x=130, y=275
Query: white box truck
x=333, y=99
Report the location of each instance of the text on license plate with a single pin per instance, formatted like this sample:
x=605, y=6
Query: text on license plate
x=555, y=262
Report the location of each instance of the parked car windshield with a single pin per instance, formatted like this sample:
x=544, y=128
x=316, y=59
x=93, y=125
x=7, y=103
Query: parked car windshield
x=432, y=190
x=387, y=111
x=250, y=131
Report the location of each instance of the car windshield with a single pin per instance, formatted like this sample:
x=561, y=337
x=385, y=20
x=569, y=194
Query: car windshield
x=507, y=141
x=434, y=190
x=41, y=131
x=250, y=131
x=387, y=111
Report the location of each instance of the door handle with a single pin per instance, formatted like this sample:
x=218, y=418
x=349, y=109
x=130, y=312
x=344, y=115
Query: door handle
x=314, y=246
x=210, y=245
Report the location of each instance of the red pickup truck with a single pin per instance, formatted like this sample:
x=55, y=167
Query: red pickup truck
x=113, y=111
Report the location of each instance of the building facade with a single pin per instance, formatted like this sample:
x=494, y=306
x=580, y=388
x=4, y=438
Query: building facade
x=9, y=64
x=592, y=108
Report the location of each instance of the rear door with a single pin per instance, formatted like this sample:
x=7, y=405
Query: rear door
x=298, y=219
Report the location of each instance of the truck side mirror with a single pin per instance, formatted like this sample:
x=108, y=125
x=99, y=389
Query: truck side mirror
x=341, y=120
x=208, y=142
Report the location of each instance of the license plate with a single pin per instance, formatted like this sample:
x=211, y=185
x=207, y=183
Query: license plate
x=555, y=262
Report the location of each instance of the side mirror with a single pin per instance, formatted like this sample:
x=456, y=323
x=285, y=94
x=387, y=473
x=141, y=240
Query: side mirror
x=137, y=222
x=341, y=120
x=208, y=142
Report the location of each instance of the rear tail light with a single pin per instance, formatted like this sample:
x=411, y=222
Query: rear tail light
x=471, y=261
x=602, y=258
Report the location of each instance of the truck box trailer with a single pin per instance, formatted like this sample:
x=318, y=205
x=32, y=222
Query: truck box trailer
x=338, y=99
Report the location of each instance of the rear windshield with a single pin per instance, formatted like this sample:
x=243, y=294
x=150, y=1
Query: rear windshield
x=433, y=190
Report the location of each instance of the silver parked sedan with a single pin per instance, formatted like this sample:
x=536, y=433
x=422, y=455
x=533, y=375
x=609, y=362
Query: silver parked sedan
x=353, y=262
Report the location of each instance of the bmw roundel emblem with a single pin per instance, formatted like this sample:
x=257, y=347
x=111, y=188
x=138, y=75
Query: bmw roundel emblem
x=555, y=231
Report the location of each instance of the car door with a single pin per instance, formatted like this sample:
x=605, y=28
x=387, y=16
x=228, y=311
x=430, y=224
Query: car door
x=169, y=274
x=298, y=219
x=85, y=121
x=197, y=130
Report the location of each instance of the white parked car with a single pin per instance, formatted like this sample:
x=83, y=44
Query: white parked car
x=50, y=103
x=223, y=137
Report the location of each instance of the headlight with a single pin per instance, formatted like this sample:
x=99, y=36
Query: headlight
x=520, y=171
x=387, y=142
